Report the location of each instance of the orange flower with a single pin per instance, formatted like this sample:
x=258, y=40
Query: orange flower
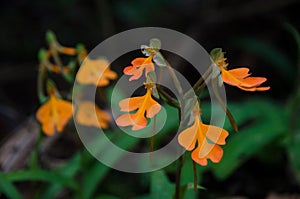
x=239, y=77
x=138, y=65
x=144, y=104
x=85, y=115
x=91, y=70
x=54, y=115
x=208, y=137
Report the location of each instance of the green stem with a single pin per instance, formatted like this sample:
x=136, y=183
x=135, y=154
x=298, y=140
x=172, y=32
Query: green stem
x=203, y=77
x=56, y=58
x=195, y=176
x=178, y=177
x=175, y=79
x=170, y=100
x=40, y=83
x=229, y=115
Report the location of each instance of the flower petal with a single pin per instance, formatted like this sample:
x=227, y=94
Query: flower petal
x=195, y=157
x=187, y=138
x=204, y=148
x=215, y=134
x=228, y=78
x=137, y=121
x=90, y=114
x=152, y=108
x=239, y=72
x=138, y=61
x=44, y=112
x=48, y=127
x=130, y=104
x=216, y=154
x=252, y=81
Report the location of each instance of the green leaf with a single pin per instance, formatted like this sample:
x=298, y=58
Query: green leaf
x=267, y=126
x=161, y=186
x=67, y=170
x=97, y=171
x=8, y=189
x=41, y=175
x=92, y=177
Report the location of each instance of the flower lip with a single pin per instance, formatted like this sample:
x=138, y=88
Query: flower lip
x=208, y=138
x=145, y=107
x=54, y=115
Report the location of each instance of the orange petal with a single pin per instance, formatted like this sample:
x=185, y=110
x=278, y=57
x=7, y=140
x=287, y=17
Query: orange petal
x=204, y=148
x=90, y=115
x=64, y=109
x=252, y=81
x=90, y=71
x=255, y=88
x=195, y=157
x=110, y=74
x=228, y=78
x=44, y=112
x=263, y=88
x=130, y=104
x=152, y=108
x=48, y=127
x=215, y=134
x=187, y=138
x=136, y=121
x=216, y=154
x=128, y=70
x=64, y=113
x=239, y=72
x=138, y=61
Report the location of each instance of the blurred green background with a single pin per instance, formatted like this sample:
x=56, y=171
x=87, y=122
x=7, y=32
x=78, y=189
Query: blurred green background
x=261, y=161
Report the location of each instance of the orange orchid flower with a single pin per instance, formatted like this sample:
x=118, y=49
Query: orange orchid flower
x=54, y=115
x=91, y=69
x=208, y=137
x=138, y=66
x=239, y=77
x=84, y=116
x=143, y=104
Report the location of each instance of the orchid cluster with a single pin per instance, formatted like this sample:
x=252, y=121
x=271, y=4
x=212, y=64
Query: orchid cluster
x=203, y=140
x=56, y=110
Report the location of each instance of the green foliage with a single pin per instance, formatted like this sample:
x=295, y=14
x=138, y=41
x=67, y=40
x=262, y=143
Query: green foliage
x=41, y=175
x=7, y=188
x=161, y=187
x=266, y=125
